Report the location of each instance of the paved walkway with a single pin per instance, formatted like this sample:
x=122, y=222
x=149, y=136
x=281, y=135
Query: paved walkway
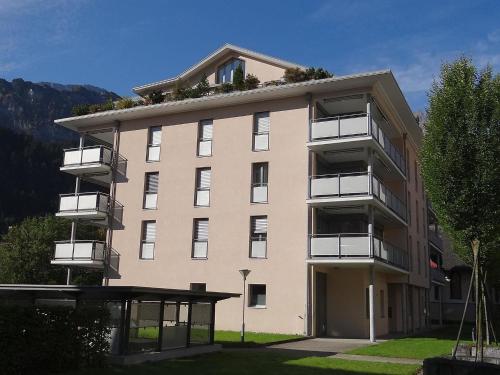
x=371, y=358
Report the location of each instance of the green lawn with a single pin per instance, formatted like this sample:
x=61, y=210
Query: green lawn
x=432, y=344
x=256, y=362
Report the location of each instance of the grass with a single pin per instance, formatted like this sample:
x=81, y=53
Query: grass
x=435, y=343
x=226, y=338
x=256, y=362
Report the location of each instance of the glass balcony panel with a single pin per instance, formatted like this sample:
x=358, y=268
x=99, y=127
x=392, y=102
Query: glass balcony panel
x=354, y=184
x=353, y=126
x=354, y=246
x=323, y=186
x=64, y=251
x=325, y=246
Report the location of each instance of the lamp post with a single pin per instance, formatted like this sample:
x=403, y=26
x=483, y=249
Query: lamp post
x=244, y=274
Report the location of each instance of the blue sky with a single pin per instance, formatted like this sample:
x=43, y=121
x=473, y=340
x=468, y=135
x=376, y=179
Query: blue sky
x=118, y=44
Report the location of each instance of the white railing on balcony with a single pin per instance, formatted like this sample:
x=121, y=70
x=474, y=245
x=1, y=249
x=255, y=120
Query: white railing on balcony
x=356, y=245
x=351, y=126
x=82, y=156
x=355, y=184
x=259, y=193
x=80, y=250
x=83, y=202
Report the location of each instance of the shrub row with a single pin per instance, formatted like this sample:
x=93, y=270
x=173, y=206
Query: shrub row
x=47, y=340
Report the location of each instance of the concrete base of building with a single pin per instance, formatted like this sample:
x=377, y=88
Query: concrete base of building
x=133, y=359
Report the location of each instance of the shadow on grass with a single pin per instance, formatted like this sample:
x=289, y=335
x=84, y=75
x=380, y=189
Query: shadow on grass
x=257, y=362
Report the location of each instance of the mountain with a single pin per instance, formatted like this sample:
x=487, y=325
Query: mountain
x=31, y=146
x=31, y=108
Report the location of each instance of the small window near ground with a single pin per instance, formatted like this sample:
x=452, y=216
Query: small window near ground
x=198, y=287
x=257, y=295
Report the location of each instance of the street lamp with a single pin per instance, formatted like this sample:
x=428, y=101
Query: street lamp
x=244, y=274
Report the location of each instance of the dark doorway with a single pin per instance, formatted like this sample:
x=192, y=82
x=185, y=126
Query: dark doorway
x=320, y=282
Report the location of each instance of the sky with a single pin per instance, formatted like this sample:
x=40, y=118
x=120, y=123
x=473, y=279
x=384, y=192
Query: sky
x=119, y=44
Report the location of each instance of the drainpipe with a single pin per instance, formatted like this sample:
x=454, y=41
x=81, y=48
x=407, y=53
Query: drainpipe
x=308, y=315
x=371, y=297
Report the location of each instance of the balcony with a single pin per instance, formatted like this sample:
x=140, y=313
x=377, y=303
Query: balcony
x=345, y=188
x=438, y=276
x=91, y=206
x=87, y=160
x=435, y=238
x=356, y=246
x=90, y=254
x=348, y=131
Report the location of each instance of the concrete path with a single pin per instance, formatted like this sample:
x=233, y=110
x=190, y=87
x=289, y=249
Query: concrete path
x=323, y=345
x=370, y=358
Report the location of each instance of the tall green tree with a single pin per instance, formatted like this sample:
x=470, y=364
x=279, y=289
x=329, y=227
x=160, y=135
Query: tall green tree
x=460, y=162
x=239, y=78
x=27, y=249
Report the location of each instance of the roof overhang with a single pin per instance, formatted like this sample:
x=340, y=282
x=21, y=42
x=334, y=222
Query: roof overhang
x=384, y=80
x=108, y=293
x=225, y=49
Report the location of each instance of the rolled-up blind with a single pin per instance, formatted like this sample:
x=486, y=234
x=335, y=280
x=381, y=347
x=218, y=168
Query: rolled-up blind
x=262, y=124
x=204, y=177
x=259, y=224
x=149, y=231
x=206, y=127
x=152, y=182
x=201, y=229
x=155, y=135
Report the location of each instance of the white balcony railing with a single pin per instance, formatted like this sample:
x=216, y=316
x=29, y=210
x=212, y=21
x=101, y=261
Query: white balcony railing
x=82, y=203
x=352, y=126
x=356, y=246
x=80, y=251
x=353, y=185
x=259, y=193
x=85, y=156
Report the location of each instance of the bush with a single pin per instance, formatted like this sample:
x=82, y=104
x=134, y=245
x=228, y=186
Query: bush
x=47, y=340
x=156, y=97
x=125, y=103
x=225, y=88
x=239, y=78
x=293, y=75
x=80, y=110
x=251, y=82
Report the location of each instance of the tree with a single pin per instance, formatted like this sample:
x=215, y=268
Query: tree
x=27, y=248
x=239, y=78
x=460, y=167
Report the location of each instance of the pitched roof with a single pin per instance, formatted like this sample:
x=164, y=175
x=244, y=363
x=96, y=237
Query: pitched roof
x=226, y=48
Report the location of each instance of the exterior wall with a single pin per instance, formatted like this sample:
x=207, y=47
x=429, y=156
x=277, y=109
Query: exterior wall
x=284, y=270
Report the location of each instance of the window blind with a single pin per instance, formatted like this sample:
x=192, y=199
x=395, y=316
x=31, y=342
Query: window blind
x=259, y=224
x=206, y=127
x=204, y=177
x=201, y=229
x=152, y=182
x=149, y=231
x=261, y=123
x=155, y=135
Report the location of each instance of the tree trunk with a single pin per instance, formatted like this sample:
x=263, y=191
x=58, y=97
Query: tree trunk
x=479, y=320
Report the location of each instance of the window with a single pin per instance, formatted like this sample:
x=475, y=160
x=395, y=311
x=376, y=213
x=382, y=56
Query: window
x=409, y=208
x=202, y=194
x=258, y=236
x=419, y=259
x=200, y=238
x=259, y=182
x=198, y=287
x=205, y=128
x=410, y=252
x=455, y=286
x=154, y=142
x=151, y=190
x=382, y=304
x=148, y=239
x=408, y=172
x=436, y=293
x=261, y=127
x=225, y=72
x=257, y=295
x=415, y=170
x=417, y=221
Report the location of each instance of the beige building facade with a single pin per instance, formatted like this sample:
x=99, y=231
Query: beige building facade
x=312, y=186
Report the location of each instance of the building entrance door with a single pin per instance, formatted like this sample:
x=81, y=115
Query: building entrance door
x=320, y=283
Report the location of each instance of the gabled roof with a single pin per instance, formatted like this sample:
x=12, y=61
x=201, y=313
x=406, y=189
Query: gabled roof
x=226, y=48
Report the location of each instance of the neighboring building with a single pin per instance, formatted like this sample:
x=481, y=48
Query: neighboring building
x=313, y=186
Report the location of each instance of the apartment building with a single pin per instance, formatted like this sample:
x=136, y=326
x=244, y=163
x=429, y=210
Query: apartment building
x=313, y=186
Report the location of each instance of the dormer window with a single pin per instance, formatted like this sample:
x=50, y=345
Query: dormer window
x=225, y=72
